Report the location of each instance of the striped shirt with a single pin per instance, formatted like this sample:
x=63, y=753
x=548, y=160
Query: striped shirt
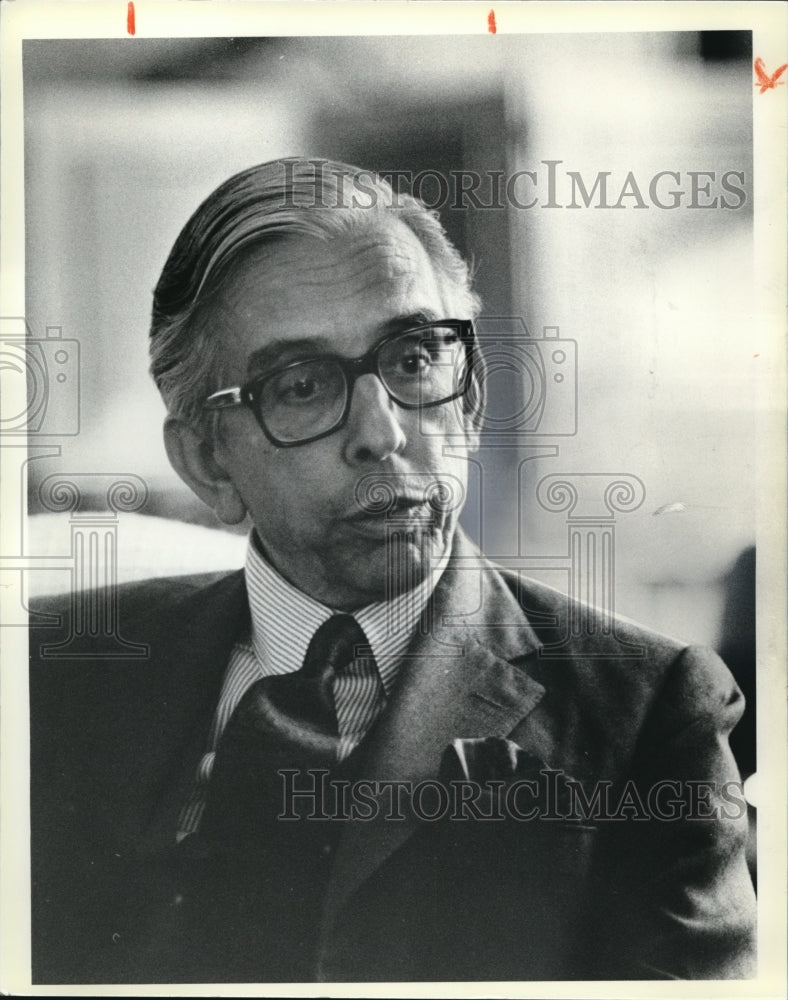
x=284, y=619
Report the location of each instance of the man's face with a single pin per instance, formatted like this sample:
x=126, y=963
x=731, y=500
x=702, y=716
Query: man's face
x=308, y=297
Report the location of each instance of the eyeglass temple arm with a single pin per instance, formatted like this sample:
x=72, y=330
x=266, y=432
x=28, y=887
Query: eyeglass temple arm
x=224, y=399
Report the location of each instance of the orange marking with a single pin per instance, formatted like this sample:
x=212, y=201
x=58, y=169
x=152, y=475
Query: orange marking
x=130, y=26
x=766, y=82
x=491, y=22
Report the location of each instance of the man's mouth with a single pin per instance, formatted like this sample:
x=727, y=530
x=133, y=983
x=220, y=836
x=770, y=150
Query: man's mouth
x=401, y=513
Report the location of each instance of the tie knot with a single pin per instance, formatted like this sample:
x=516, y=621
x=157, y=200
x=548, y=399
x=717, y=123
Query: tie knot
x=336, y=643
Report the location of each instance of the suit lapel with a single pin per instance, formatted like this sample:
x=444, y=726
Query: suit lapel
x=458, y=681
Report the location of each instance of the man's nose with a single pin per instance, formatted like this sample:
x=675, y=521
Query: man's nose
x=374, y=431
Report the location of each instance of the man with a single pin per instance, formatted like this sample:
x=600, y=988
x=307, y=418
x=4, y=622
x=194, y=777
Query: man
x=370, y=755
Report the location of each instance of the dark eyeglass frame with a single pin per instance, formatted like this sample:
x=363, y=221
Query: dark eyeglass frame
x=251, y=392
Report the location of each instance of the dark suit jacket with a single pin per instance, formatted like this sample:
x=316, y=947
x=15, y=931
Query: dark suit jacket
x=115, y=744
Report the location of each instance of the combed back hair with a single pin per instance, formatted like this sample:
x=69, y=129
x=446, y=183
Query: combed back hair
x=266, y=204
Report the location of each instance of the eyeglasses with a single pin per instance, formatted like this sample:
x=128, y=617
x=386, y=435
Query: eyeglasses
x=307, y=400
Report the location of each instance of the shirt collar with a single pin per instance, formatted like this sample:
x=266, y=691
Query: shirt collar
x=284, y=619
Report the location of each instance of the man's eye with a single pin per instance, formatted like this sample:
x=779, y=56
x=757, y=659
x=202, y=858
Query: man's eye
x=301, y=387
x=426, y=353
x=415, y=361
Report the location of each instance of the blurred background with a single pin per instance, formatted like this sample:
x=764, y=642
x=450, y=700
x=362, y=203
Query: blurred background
x=125, y=137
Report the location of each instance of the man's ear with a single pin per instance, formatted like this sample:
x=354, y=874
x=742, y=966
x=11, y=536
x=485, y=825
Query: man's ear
x=192, y=457
x=473, y=404
x=472, y=433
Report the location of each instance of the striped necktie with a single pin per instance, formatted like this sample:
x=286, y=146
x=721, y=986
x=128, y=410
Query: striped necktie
x=284, y=721
x=251, y=885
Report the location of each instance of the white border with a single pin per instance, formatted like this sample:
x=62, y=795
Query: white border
x=190, y=18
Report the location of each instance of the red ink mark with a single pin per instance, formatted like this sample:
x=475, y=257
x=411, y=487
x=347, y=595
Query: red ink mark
x=491, y=22
x=766, y=82
x=130, y=26
x=756, y=355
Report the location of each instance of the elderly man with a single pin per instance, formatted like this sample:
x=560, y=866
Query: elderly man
x=370, y=755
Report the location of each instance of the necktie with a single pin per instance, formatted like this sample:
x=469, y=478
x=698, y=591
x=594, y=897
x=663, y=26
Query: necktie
x=284, y=721
x=252, y=884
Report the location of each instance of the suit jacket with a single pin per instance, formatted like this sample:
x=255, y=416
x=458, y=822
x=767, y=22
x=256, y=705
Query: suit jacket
x=653, y=885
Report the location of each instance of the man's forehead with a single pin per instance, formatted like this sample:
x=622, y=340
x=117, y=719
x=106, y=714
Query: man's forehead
x=341, y=290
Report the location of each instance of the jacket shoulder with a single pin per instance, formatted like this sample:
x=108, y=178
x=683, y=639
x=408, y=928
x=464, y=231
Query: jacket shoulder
x=555, y=615
x=138, y=594
x=615, y=667
x=136, y=629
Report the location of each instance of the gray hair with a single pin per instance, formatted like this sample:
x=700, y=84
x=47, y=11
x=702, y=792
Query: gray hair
x=259, y=207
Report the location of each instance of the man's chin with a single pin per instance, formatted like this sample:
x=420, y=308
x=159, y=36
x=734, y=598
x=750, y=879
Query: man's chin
x=398, y=564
